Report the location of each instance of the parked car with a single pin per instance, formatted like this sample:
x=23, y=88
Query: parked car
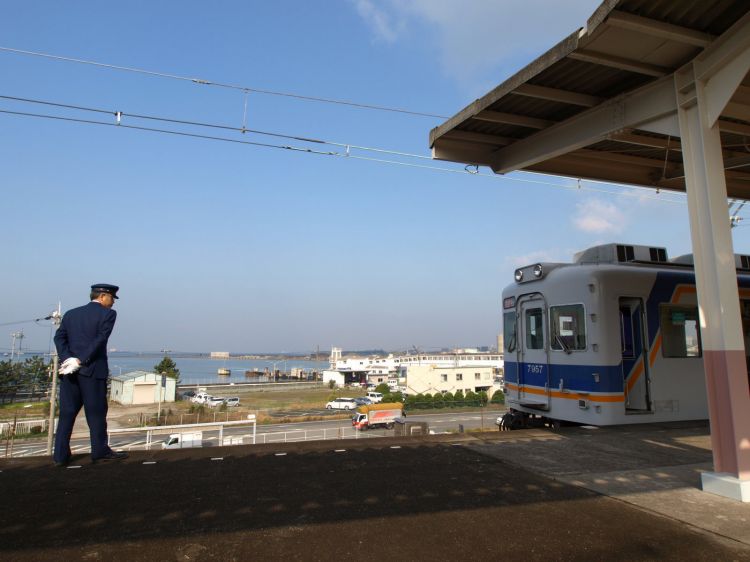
x=363, y=401
x=232, y=401
x=342, y=404
x=201, y=398
x=375, y=397
x=214, y=401
x=187, y=395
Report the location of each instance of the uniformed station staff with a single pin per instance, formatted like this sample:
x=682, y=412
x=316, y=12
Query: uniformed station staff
x=81, y=342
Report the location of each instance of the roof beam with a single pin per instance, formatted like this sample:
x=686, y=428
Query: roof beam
x=461, y=151
x=652, y=101
x=481, y=138
x=643, y=140
x=736, y=110
x=619, y=63
x=626, y=159
x=732, y=127
x=512, y=119
x=659, y=29
x=558, y=95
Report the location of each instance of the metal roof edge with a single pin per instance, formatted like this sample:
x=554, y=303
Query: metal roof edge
x=556, y=53
x=601, y=14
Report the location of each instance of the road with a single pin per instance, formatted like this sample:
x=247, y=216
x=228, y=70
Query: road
x=278, y=433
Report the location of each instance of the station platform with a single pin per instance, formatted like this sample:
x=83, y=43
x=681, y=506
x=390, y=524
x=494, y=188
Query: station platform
x=622, y=493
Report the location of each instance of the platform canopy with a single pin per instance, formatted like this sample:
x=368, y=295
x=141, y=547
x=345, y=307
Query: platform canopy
x=602, y=104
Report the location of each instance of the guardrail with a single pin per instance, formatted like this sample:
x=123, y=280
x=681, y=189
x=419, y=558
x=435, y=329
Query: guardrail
x=150, y=431
x=324, y=434
x=22, y=427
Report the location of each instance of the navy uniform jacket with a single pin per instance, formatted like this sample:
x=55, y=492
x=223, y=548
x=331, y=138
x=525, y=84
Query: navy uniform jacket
x=83, y=334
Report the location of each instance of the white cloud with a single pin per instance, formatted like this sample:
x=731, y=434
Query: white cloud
x=386, y=26
x=599, y=217
x=479, y=43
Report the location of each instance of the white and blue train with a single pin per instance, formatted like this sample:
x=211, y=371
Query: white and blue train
x=612, y=338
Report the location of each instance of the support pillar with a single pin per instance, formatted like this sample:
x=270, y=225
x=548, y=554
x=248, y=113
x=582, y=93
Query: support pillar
x=718, y=296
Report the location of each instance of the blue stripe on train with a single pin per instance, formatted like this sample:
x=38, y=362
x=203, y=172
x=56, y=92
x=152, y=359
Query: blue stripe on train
x=574, y=377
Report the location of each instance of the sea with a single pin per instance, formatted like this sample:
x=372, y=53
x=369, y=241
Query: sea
x=203, y=370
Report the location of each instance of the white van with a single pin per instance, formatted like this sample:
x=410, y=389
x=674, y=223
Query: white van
x=375, y=397
x=201, y=398
x=183, y=440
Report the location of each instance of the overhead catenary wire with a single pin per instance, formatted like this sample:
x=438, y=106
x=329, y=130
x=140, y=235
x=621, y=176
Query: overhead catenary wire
x=205, y=82
x=120, y=114
x=347, y=154
x=33, y=320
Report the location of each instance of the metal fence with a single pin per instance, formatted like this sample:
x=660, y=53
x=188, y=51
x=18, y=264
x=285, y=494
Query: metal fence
x=150, y=432
x=299, y=435
x=23, y=427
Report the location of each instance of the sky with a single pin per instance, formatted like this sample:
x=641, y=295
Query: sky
x=223, y=246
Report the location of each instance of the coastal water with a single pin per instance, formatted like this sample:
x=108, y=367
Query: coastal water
x=202, y=370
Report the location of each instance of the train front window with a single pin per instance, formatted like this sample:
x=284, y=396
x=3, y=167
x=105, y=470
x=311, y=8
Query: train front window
x=534, y=329
x=680, y=335
x=568, y=327
x=509, y=331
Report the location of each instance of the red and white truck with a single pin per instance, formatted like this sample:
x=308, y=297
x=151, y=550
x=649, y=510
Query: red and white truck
x=378, y=415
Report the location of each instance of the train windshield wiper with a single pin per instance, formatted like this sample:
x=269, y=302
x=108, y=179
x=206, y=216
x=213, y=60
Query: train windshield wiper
x=565, y=348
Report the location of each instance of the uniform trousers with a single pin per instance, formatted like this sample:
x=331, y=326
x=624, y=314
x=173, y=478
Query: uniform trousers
x=78, y=391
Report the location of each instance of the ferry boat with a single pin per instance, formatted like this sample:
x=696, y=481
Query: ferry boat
x=223, y=371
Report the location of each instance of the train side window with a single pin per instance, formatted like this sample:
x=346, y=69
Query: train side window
x=509, y=331
x=534, y=329
x=568, y=327
x=680, y=335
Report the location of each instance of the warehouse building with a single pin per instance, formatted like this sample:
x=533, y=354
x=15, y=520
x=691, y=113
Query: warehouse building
x=140, y=387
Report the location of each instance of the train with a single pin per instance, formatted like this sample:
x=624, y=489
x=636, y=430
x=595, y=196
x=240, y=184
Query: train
x=611, y=338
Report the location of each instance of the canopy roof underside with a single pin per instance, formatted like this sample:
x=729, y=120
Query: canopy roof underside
x=601, y=104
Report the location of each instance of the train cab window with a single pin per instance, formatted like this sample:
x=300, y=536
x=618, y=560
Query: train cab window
x=534, y=329
x=568, y=327
x=680, y=335
x=509, y=331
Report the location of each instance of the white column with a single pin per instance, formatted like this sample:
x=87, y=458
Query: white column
x=718, y=296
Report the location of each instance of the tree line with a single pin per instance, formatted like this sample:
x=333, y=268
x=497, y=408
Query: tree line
x=28, y=380
x=427, y=401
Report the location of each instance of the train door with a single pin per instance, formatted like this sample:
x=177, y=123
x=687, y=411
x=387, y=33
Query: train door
x=635, y=368
x=533, y=364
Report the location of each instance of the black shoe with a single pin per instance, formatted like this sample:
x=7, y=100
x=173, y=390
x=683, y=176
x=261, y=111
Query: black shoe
x=112, y=456
x=62, y=464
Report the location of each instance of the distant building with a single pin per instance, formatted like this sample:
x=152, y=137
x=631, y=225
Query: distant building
x=339, y=379
x=397, y=369
x=219, y=355
x=435, y=379
x=140, y=387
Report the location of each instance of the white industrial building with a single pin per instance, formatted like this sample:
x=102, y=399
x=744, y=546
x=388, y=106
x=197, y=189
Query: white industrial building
x=436, y=379
x=140, y=387
x=408, y=370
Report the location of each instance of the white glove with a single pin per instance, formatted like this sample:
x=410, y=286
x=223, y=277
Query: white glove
x=70, y=366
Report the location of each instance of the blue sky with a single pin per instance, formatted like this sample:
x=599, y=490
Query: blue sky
x=220, y=246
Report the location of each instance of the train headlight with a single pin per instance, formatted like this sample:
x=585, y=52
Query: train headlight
x=519, y=275
x=538, y=270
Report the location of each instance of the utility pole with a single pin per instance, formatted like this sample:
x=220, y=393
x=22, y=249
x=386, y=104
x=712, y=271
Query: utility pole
x=16, y=336
x=56, y=318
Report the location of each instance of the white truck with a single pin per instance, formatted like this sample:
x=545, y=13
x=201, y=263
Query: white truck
x=378, y=415
x=183, y=440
